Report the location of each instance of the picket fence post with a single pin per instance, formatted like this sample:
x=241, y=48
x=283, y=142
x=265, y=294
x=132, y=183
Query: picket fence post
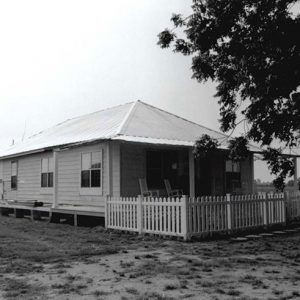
x=287, y=205
x=140, y=214
x=106, y=211
x=229, y=221
x=184, y=217
x=265, y=208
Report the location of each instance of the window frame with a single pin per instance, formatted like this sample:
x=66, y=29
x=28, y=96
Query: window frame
x=233, y=164
x=91, y=190
x=48, y=174
x=15, y=188
x=234, y=172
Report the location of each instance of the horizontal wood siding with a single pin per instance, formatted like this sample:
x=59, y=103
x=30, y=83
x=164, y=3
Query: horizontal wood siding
x=29, y=179
x=69, y=172
x=69, y=176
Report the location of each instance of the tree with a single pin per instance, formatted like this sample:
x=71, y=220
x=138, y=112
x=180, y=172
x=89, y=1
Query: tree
x=251, y=49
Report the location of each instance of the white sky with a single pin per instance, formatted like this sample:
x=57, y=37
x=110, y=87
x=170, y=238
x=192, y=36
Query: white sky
x=60, y=59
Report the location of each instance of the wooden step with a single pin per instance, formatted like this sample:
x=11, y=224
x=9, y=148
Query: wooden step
x=238, y=239
x=253, y=236
x=279, y=232
x=265, y=234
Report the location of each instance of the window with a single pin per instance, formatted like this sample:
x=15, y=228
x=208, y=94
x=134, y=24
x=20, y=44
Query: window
x=233, y=166
x=14, y=175
x=91, y=170
x=47, y=172
x=233, y=176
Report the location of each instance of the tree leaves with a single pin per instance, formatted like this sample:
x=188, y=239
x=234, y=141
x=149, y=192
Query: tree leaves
x=204, y=146
x=280, y=165
x=238, y=149
x=252, y=50
x=177, y=20
x=165, y=38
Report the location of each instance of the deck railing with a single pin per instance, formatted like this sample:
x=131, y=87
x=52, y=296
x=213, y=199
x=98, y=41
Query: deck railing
x=199, y=216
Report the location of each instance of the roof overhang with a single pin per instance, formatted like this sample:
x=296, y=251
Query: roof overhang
x=62, y=147
x=168, y=142
x=130, y=139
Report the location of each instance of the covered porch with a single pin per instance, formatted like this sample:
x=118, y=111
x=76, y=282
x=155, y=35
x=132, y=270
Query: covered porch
x=215, y=176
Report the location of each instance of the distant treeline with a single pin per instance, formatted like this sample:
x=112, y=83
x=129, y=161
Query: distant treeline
x=260, y=186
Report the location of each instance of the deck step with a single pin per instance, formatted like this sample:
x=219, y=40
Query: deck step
x=266, y=234
x=279, y=232
x=253, y=236
x=291, y=230
x=238, y=239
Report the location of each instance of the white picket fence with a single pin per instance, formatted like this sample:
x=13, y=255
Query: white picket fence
x=146, y=215
x=229, y=213
x=188, y=217
x=293, y=205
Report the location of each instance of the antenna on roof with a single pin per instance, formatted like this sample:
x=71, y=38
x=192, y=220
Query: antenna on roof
x=12, y=142
x=24, y=132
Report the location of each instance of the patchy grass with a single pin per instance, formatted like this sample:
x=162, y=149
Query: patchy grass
x=19, y=289
x=53, y=261
x=132, y=290
x=154, y=296
x=99, y=293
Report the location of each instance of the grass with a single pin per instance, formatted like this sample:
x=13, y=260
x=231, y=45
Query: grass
x=19, y=289
x=93, y=263
x=154, y=296
x=170, y=287
x=100, y=293
x=132, y=290
x=233, y=292
x=30, y=245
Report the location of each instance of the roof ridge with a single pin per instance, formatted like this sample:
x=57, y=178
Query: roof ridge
x=174, y=115
x=126, y=118
x=77, y=117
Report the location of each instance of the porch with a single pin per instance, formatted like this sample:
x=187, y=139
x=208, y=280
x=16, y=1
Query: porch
x=213, y=176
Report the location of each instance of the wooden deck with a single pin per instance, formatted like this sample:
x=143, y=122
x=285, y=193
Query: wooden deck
x=19, y=209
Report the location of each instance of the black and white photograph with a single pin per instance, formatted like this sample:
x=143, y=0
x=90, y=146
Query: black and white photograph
x=149, y=149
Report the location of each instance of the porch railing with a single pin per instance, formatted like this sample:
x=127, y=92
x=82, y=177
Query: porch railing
x=188, y=216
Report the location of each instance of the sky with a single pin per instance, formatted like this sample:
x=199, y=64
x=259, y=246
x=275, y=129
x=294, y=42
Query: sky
x=65, y=58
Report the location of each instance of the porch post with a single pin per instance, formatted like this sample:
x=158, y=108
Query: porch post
x=55, y=178
x=191, y=173
x=108, y=169
x=252, y=173
x=296, y=187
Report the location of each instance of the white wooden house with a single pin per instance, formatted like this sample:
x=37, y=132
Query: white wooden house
x=80, y=161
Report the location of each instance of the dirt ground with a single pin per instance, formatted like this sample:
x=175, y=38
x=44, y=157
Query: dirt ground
x=55, y=261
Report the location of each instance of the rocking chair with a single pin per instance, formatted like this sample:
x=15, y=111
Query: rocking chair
x=170, y=192
x=145, y=191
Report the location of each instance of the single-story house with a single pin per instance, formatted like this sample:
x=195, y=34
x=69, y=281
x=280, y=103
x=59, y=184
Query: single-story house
x=84, y=159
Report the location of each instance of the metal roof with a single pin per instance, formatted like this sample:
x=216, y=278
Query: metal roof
x=132, y=122
x=102, y=124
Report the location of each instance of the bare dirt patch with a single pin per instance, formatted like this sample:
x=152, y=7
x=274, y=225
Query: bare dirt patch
x=53, y=261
